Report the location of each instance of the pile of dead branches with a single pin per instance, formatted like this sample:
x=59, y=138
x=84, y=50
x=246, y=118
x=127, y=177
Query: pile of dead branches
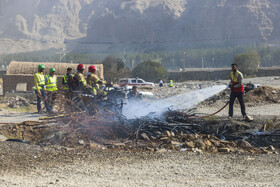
x=83, y=121
x=83, y=117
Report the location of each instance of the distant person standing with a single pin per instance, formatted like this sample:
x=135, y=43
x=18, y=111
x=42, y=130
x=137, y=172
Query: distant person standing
x=171, y=83
x=160, y=83
x=40, y=88
x=237, y=90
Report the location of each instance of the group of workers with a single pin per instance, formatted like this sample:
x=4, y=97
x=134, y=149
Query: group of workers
x=46, y=85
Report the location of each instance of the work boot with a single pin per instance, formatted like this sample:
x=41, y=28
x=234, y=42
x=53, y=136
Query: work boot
x=248, y=118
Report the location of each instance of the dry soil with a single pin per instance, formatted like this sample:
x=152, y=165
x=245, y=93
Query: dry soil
x=29, y=165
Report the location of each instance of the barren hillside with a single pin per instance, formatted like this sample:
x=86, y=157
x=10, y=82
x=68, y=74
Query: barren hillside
x=28, y=25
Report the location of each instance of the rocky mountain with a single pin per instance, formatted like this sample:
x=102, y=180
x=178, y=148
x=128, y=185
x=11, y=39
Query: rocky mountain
x=28, y=25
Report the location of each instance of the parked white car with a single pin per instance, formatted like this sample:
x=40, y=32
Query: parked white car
x=134, y=82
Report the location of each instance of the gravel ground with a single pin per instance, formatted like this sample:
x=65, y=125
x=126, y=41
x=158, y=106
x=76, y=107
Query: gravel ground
x=255, y=111
x=265, y=81
x=27, y=165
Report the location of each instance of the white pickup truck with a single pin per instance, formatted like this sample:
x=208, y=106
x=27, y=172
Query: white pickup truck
x=134, y=82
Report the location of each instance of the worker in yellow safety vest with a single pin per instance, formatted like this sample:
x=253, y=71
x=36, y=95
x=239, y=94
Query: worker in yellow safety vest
x=66, y=78
x=171, y=83
x=40, y=88
x=51, y=86
x=237, y=90
x=94, y=81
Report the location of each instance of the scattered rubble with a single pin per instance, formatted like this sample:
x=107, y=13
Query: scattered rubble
x=263, y=94
x=17, y=102
x=275, y=78
x=2, y=138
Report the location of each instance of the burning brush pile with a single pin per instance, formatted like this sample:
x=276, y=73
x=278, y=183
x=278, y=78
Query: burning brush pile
x=90, y=123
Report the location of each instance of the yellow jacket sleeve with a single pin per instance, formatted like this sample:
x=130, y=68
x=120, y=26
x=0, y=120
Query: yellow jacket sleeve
x=94, y=78
x=81, y=79
x=36, y=81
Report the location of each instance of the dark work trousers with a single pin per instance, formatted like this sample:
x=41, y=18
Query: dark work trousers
x=51, y=98
x=240, y=97
x=39, y=99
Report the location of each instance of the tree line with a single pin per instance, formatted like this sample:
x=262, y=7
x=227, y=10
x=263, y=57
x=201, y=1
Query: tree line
x=205, y=58
x=171, y=60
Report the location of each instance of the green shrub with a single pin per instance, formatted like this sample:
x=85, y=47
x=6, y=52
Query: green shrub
x=248, y=63
x=150, y=71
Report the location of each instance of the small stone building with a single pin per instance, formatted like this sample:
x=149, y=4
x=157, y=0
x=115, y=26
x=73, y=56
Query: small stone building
x=21, y=73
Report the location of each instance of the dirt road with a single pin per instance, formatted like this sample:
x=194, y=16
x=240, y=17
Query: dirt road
x=27, y=165
x=7, y=116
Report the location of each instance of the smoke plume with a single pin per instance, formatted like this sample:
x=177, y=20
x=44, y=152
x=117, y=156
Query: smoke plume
x=136, y=109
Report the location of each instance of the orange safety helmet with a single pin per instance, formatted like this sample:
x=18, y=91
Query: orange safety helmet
x=81, y=67
x=91, y=69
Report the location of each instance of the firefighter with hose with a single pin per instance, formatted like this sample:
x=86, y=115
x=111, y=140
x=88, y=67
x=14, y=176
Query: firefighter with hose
x=40, y=88
x=237, y=91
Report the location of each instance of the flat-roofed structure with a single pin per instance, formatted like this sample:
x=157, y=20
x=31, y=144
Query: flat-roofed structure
x=22, y=72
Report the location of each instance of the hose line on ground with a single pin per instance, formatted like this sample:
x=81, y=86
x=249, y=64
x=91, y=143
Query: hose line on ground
x=197, y=117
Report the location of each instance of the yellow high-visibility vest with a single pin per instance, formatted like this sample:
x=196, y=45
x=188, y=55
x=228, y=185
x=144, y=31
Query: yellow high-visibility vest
x=51, y=83
x=40, y=79
x=65, y=80
x=171, y=83
x=234, y=77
